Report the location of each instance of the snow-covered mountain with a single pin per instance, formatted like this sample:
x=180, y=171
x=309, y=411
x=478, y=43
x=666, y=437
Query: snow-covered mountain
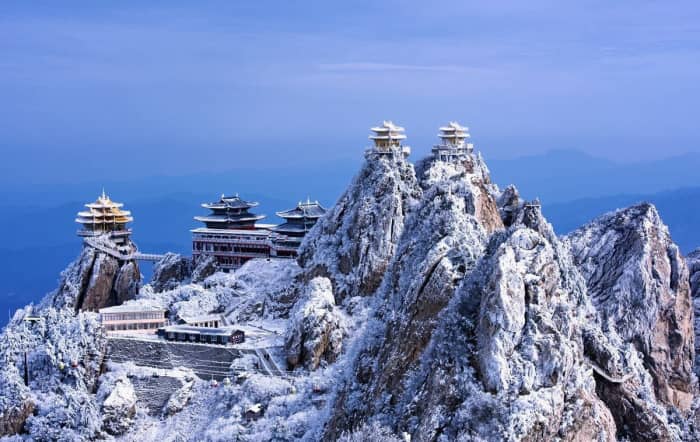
x=427, y=304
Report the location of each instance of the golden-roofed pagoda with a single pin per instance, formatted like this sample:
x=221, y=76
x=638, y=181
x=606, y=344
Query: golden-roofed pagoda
x=453, y=145
x=105, y=216
x=387, y=139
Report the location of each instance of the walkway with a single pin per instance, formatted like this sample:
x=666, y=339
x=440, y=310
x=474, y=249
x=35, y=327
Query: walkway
x=121, y=256
x=607, y=377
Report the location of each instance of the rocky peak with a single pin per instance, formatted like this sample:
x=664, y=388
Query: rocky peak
x=473, y=173
x=170, y=271
x=638, y=282
x=315, y=331
x=352, y=243
x=504, y=360
x=693, y=261
x=97, y=279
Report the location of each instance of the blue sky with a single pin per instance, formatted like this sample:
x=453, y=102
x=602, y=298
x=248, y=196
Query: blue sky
x=127, y=89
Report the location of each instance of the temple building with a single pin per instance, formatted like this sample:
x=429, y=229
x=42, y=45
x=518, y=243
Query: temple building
x=230, y=234
x=287, y=237
x=387, y=139
x=453, y=145
x=230, y=212
x=105, y=216
x=129, y=318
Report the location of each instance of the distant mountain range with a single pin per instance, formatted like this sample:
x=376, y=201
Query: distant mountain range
x=562, y=175
x=678, y=209
x=37, y=221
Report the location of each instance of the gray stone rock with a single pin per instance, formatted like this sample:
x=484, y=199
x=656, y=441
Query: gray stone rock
x=170, y=271
x=693, y=262
x=315, y=330
x=353, y=242
x=96, y=280
x=204, y=268
x=118, y=406
x=638, y=283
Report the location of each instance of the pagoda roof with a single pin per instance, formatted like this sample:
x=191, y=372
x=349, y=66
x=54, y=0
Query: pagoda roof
x=98, y=214
x=229, y=218
x=453, y=126
x=387, y=131
x=290, y=228
x=230, y=202
x=306, y=209
x=104, y=202
x=387, y=126
x=116, y=220
x=104, y=210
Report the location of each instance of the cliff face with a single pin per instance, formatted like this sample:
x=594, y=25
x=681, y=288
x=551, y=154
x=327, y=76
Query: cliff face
x=590, y=338
x=693, y=261
x=97, y=280
x=442, y=239
x=505, y=359
x=315, y=330
x=354, y=242
x=170, y=272
x=638, y=281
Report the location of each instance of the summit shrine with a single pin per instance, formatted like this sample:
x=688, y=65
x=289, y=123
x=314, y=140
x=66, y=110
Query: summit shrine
x=388, y=140
x=105, y=216
x=453, y=145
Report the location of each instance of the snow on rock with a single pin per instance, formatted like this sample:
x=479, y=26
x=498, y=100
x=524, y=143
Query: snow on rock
x=170, y=271
x=473, y=173
x=63, y=354
x=96, y=280
x=426, y=305
x=506, y=361
x=353, y=242
x=16, y=404
x=179, y=399
x=261, y=289
x=638, y=282
x=315, y=330
x=509, y=203
x=118, y=400
x=693, y=261
x=204, y=267
x=441, y=242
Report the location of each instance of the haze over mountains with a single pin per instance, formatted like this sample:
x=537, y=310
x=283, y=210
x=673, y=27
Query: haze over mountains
x=38, y=232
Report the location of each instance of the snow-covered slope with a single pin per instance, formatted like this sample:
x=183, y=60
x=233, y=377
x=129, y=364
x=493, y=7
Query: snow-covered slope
x=354, y=242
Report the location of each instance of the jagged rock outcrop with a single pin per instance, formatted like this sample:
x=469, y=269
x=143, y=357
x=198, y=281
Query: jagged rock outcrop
x=693, y=262
x=472, y=173
x=506, y=360
x=204, y=268
x=15, y=407
x=315, y=331
x=352, y=244
x=442, y=239
x=179, y=399
x=96, y=280
x=118, y=405
x=508, y=204
x=170, y=272
x=638, y=281
x=63, y=353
